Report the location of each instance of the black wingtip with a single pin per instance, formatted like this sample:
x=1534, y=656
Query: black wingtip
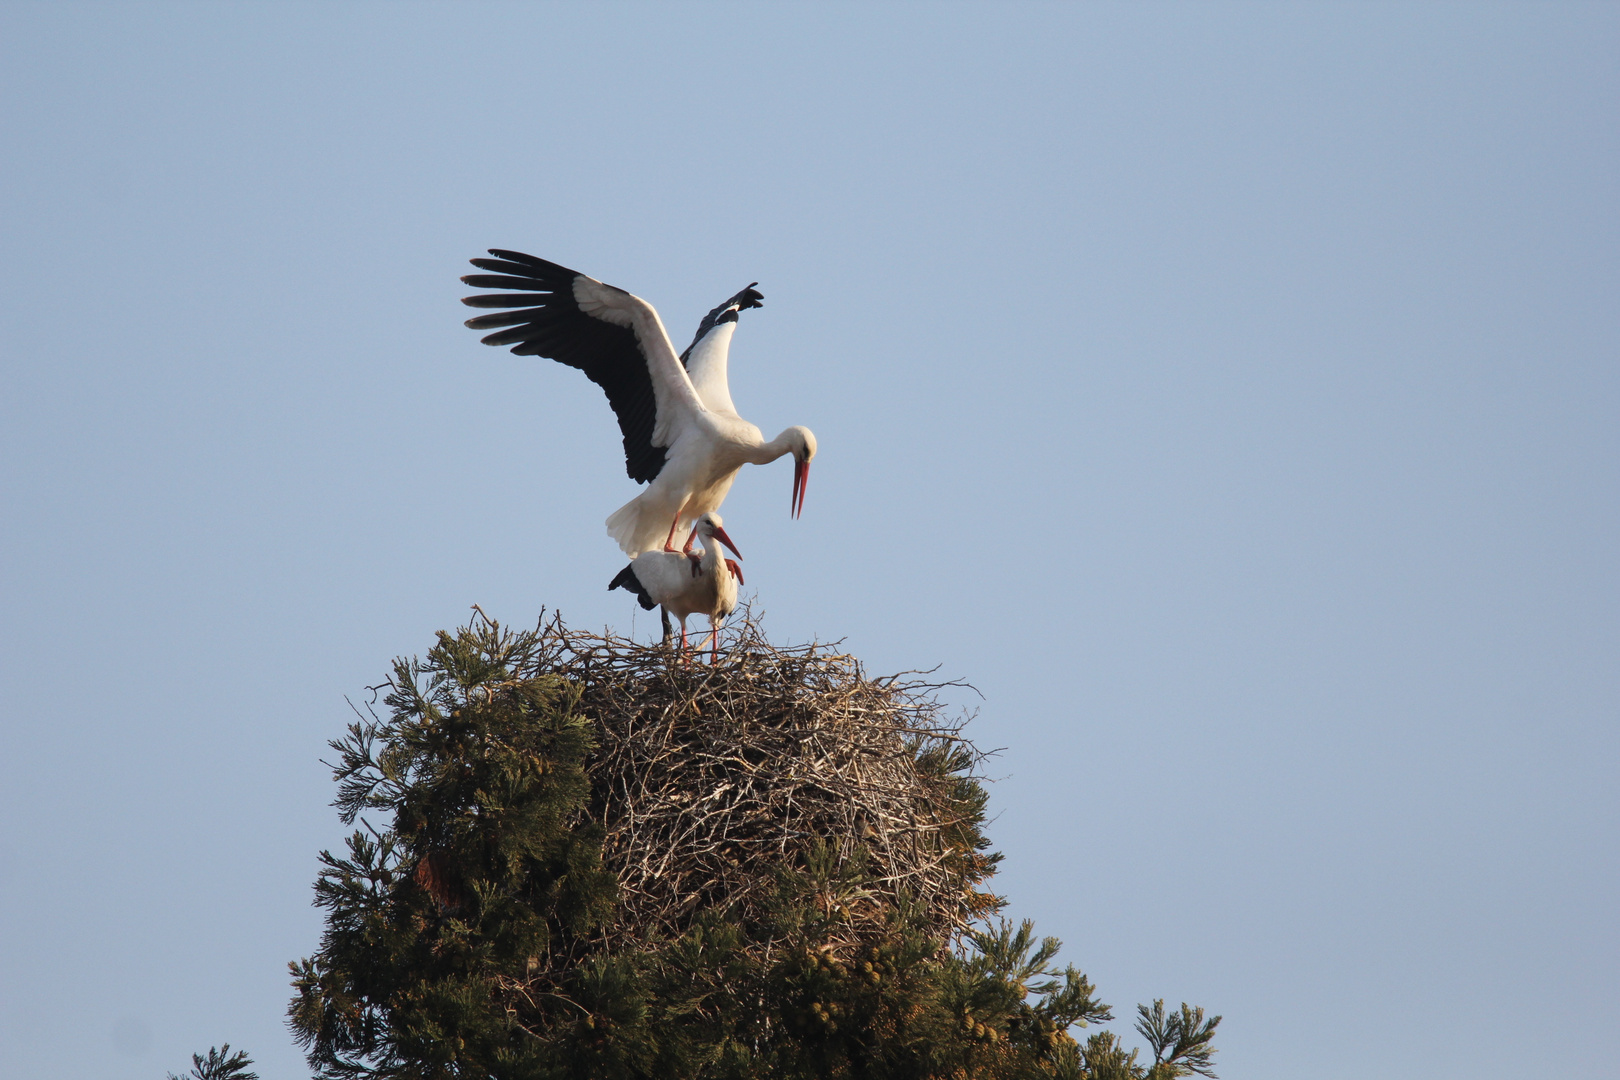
x=626, y=579
x=726, y=313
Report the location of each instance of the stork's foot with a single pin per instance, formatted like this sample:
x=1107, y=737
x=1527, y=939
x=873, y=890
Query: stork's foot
x=697, y=563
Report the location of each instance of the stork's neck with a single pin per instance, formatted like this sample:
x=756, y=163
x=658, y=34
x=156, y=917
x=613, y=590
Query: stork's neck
x=711, y=556
x=765, y=453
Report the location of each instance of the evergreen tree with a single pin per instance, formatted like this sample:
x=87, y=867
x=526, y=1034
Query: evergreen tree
x=220, y=1064
x=480, y=930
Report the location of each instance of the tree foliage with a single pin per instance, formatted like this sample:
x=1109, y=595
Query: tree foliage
x=219, y=1064
x=468, y=929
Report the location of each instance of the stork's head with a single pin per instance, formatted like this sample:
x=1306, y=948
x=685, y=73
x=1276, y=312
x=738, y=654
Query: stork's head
x=710, y=525
x=803, y=444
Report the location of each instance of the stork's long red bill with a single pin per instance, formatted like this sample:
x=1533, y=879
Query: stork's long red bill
x=801, y=483
x=720, y=535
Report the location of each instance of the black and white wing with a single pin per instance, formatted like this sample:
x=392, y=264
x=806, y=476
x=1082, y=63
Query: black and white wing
x=705, y=358
x=615, y=338
x=626, y=579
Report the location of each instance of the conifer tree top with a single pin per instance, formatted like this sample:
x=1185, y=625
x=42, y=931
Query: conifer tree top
x=593, y=858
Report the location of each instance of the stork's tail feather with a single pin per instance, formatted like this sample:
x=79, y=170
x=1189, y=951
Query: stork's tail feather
x=639, y=526
x=626, y=579
x=621, y=525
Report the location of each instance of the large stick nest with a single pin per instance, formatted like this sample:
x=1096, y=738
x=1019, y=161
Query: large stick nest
x=709, y=779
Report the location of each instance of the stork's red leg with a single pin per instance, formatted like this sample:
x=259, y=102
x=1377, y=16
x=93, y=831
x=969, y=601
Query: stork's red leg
x=697, y=560
x=669, y=541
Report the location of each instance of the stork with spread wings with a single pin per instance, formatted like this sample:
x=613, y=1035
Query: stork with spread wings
x=682, y=435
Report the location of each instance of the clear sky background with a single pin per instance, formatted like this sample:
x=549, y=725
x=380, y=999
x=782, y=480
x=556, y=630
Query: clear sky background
x=1229, y=392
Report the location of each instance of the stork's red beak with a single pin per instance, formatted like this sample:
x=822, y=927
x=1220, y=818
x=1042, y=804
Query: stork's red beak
x=801, y=483
x=720, y=535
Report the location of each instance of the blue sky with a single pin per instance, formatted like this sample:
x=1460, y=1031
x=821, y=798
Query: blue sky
x=1227, y=391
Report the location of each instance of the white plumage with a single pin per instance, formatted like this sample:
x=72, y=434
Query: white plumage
x=688, y=585
x=704, y=459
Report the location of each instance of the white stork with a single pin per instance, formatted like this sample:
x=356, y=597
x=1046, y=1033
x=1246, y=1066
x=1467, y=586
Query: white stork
x=682, y=435
x=681, y=586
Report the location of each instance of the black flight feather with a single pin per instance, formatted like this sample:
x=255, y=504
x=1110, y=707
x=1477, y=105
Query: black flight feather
x=511, y=300
x=626, y=579
x=504, y=318
x=501, y=266
x=503, y=281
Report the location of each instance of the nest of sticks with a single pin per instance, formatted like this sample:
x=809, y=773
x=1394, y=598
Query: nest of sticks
x=711, y=778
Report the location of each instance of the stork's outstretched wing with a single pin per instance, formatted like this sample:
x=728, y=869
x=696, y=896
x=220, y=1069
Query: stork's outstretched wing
x=615, y=338
x=725, y=313
x=705, y=358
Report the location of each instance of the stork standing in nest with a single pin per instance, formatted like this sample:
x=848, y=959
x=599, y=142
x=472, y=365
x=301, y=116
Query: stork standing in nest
x=684, y=584
x=682, y=434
